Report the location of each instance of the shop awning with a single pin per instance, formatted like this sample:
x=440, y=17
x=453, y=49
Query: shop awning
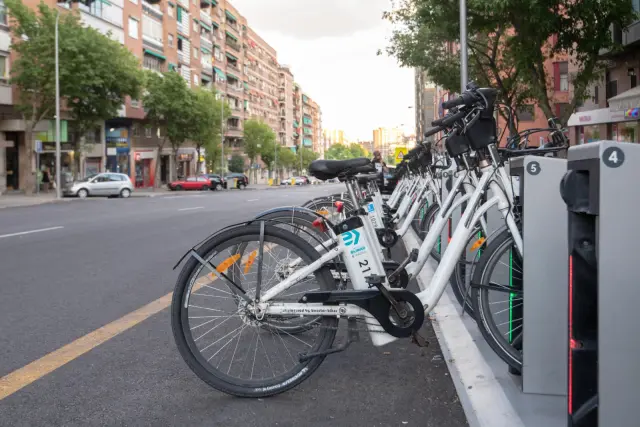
x=220, y=73
x=156, y=54
x=626, y=100
x=232, y=76
x=205, y=25
x=204, y=49
x=596, y=117
x=246, y=85
x=231, y=56
x=215, y=24
x=230, y=15
x=231, y=36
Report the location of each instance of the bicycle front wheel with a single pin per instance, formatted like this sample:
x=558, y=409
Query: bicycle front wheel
x=498, y=298
x=216, y=333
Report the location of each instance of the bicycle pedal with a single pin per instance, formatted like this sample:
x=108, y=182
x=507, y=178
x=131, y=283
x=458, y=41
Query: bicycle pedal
x=413, y=256
x=419, y=340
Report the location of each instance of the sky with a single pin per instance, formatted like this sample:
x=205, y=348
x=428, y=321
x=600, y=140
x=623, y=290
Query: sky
x=331, y=48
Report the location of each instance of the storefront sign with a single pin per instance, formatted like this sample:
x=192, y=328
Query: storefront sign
x=111, y=151
x=585, y=119
x=631, y=114
x=185, y=157
x=142, y=155
x=51, y=146
x=600, y=116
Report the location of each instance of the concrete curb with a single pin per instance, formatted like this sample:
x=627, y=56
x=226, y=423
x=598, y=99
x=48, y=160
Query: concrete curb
x=481, y=395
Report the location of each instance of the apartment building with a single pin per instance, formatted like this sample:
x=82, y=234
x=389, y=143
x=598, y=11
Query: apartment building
x=612, y=111
x=386, y=139
x=425, y=103
x=208, y=42
x=334, y=136
x=285, y=100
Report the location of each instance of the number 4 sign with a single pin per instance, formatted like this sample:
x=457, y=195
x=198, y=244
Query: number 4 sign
x=613, y=157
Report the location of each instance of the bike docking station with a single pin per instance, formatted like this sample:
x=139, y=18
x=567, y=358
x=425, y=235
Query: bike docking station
x=604, y=294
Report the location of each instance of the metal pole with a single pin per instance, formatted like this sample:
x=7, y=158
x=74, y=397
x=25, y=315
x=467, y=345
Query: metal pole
x=463, y=45
x=58, y=177
x=222, y=134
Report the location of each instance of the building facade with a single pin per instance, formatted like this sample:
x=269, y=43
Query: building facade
x=285, y=98
x=425, y=103
x=208, y=42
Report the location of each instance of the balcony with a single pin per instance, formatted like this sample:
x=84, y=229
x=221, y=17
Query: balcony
x=184, y=3
x=631, y=34
x=231, y=66
x=183, y=28
x=184, y=58
x=205, y=42
x=234, y=131
x=233, y=44
x=234, y=88
x=205, y=17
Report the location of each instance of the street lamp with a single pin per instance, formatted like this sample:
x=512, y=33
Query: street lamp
x=222, y=133
x=57, y=66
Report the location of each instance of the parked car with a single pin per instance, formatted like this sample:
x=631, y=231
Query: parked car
x=191, y=183
x=289, y=181
x=315, y=181
x=102, y=184
x=241, y=180
x=217, y=182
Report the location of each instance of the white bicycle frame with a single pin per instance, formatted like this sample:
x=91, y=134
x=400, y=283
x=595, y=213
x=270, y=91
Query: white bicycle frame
x=361, y=262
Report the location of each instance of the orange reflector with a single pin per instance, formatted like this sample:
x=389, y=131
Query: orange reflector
x=477, y=244
x=252, y=257
x=319, y=224
x=224, y=265
x=323, y=212
x=339, y=206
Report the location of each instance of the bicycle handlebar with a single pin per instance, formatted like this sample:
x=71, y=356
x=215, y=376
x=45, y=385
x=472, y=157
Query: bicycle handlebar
x=467, y=98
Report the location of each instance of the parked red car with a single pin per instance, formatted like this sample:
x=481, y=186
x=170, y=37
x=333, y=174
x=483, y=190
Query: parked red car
x=191, y=183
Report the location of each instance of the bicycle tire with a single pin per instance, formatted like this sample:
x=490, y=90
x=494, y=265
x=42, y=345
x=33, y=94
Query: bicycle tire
x=431, y=213
x=458, y=277
x=197, y=363
x=482, y=308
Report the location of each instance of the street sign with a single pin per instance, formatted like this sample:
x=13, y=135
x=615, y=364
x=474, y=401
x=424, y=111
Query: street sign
x=38, y=146
x=400, y=153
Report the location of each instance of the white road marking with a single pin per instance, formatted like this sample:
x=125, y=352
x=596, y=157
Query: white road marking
x=190, y=209
x=252, y=200
x=181, y=197
x=22, y=233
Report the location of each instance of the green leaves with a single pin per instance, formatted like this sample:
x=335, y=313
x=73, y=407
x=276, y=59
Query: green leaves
x=509, y=42
x=258, y=138
x=342, y=152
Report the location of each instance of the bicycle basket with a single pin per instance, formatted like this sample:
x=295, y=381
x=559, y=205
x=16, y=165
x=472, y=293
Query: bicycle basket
x=456, y=145
x=482, y=133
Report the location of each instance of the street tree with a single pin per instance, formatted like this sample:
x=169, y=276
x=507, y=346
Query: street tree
x=338, y=152
x=205, y=123
x=268, y=153
x=91, y=89
x=256, y=135
x=308, y=156
x=169, y=104
x=287, y=159
x=356, y=150
x=509, y=42
x=236, y=164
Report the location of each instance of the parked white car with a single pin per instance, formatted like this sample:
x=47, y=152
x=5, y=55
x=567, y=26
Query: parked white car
x=102, y=184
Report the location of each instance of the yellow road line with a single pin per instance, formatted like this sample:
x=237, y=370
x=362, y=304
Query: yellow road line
x=37, y=369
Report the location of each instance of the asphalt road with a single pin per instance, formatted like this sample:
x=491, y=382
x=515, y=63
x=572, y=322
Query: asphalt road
x=85, y=264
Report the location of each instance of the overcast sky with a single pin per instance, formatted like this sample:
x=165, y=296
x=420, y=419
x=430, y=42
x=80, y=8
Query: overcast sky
x=331, y=47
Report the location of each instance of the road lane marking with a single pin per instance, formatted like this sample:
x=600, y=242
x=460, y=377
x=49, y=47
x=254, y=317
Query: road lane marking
x=181, y=197
x=22, y=233
x=190, y=209
x=22, y=377
x=252, y=200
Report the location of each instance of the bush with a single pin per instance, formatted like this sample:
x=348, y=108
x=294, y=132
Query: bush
x=236, y=164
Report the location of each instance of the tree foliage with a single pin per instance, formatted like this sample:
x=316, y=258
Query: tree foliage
x=236, y=164
x=205, y=127
x=308, y=156
x=509, y=42
x=342, y=152
x=170, y=105
x=94, y=92
x=287, y=159
x=257, y=137
x=268, y=153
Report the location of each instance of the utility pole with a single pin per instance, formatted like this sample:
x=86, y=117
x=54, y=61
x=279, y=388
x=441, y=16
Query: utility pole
x=463, y=45
x=222, y=134
x=58, y=177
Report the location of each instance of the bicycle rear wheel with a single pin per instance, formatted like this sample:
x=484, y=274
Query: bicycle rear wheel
x=425, y=225
x=213, y=326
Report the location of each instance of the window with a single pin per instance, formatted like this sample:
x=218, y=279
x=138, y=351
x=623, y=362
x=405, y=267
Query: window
x=179, y=43
x=135, y=103
x=596, y=89
x=631, y=72
x=170, y=40
x=133, y=27
x=147, y=131
x=136, y=130
x=3, y=13
x=151, y=62
x=170, y=10
x=561, y=76
x=217, y=53
x=195, y=26
x=195, y=53
x=636, y=5
x=134, y=1
x=4, y=68
x=561, y=109
x=152, y=29
x=191, y=179
x=196, y=81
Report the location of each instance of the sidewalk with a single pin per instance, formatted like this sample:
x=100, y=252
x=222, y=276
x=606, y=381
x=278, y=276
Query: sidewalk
x=17, y=200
